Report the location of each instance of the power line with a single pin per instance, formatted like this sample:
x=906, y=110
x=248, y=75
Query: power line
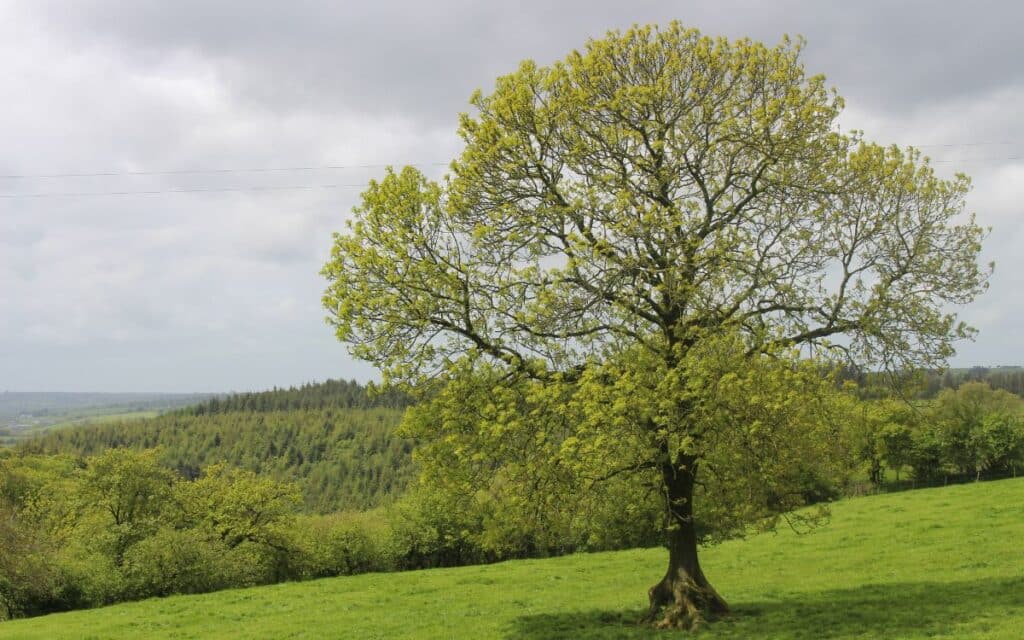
x=180, y=172
x=339, y=167
x=86, y=194
x=289, y=187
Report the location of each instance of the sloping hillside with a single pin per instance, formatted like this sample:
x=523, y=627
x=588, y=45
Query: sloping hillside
x=333, y=438
x=934, y=563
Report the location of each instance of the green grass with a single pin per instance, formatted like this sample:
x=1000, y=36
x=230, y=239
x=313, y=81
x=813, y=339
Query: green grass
x=933, y=563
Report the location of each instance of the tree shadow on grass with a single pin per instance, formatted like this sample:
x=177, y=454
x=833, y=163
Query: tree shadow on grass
x=871, y=611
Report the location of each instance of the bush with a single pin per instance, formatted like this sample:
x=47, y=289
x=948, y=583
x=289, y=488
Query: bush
x=87, y=579
x=175, y=561
x=429, y=529
x=344, y=544
x=28, y=587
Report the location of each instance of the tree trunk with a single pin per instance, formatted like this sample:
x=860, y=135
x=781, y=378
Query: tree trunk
x=875, y=474
x=684, y=597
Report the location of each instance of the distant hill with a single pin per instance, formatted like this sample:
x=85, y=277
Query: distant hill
x=27, y=414
x=36, y=404
x=333, y=438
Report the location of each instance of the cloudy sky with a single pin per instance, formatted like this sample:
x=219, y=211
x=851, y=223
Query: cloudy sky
x=212, y=283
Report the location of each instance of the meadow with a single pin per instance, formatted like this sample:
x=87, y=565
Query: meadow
x=934, y=563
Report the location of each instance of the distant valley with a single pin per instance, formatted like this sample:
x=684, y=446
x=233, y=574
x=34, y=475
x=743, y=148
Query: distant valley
x=24, y=415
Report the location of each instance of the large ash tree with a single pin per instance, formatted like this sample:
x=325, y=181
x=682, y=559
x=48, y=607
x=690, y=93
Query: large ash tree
x=639, y=263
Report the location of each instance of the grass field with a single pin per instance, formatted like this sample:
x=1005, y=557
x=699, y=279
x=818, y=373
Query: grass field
x=933, y=563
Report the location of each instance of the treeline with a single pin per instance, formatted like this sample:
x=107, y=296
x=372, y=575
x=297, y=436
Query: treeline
x=339, y=443
x=972, y=432
x=340, y=458
x=331, y=394
x=1010, y=379
x=927, y=384
x=83, y=532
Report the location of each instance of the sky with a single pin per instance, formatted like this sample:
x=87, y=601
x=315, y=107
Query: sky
x=212, y=282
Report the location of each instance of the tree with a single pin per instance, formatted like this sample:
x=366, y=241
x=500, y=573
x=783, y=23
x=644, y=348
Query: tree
x=865, y=435
x=236, y=506
x=979, y=427
x=132, y=490
x=998, y=444
x=927, y=459
x=898, y=421
x=658, y=200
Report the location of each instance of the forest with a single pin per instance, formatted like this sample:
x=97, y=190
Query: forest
x=334, y=439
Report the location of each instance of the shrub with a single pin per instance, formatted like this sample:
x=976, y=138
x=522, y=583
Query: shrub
x=344, y=544
x=178, y=561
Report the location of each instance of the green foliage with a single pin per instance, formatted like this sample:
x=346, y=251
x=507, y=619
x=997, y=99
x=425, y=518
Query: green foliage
x=341, y=458
x=765, y=429
x=504, y=460
x=980, y=428
x=429, y=529
x=237, y=506
x=346, y=543
x=884, y=433
x=553, y=466
x=658, y=182
x=928, y=460
x=998, y=444
x=131, y=489
x=26, y=576
x=1009, y=379
x=122, y=526
x=897, y=443
x=179, y=561
x=87, y=576
x=968, y=433
x=231, y=528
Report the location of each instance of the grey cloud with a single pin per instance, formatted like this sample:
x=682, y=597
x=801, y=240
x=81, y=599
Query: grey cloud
x=217, y=291
x=423, y=59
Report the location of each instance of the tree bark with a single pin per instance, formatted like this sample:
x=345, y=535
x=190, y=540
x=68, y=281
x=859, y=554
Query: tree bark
x=684, y=597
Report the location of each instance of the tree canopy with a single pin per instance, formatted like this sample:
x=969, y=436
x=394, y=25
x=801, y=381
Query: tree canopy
x=655, y=231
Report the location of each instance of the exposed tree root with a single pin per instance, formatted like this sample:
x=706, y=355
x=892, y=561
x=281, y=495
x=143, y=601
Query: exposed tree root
x=678, y=602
